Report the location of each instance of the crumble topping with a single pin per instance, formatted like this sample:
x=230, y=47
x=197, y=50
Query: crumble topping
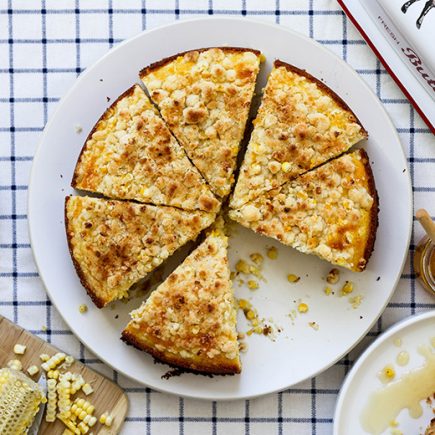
x=326, y=212
x=205, y=97
x=116, y=243
x=131, y=154
x=300, y=124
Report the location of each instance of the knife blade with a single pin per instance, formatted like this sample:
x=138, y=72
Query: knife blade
x=34, y=429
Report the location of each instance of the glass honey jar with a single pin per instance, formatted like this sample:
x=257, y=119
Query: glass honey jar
x=424, y=264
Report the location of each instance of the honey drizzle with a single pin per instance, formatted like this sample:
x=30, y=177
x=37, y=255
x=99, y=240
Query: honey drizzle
x=408, y=391
x=402, y=358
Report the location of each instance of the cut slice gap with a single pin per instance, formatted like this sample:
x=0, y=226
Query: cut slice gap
x=131, y=154
x=114, y=244
x=189, y=321
x=204, y=96
x=140, y=291
x=301, y=124
x=145, y=90
x=331, y=211
x=143, y=87
x=85, y=193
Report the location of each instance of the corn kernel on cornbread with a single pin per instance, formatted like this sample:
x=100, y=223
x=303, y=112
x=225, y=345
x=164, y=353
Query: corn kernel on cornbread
x=204, y=96
x=330, y=211
x=301, y=124
x=131, y=154
x=114, y=244
x=190, y=320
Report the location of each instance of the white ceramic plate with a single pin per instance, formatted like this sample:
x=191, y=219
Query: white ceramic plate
x=299, y=351
x=362, y=380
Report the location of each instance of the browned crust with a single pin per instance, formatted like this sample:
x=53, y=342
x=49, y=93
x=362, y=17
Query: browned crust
x=278, y=63
x=130, y=339
x=144, y=71
x=126, y=93
x=100, y=303
x=373, y=223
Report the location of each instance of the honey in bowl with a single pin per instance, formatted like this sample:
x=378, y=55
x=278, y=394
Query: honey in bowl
x=424, y=264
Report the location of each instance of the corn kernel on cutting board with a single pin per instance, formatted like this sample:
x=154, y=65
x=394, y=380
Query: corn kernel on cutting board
x=107, y=396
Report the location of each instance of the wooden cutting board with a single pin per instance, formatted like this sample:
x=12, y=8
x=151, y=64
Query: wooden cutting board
x=107, y=396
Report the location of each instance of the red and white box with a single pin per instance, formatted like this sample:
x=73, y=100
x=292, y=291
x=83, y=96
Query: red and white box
x=402, y=35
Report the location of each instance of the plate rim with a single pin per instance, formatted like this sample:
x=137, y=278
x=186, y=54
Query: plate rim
x=296, y=34
x=393, y=329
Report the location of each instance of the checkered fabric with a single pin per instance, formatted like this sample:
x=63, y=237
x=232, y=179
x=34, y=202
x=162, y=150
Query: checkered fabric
x=44, y=46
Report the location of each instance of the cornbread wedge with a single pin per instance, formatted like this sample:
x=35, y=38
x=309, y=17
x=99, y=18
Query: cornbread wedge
x=301, y=124
x=190, y=320
x=114, y=244
x=204, y=95
x=131, y=154
x=330, y=211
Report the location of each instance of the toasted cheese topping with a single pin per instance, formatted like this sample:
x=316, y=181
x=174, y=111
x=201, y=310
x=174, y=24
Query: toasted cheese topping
x=114, y=244
x=205, y=96
x=131, y=154
x=301, y=124
x=330, y=212
x=190, y=319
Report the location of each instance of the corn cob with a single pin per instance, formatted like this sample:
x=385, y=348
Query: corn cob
x=20, y=398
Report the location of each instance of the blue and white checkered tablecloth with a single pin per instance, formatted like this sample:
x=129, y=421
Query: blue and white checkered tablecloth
x=44, y=46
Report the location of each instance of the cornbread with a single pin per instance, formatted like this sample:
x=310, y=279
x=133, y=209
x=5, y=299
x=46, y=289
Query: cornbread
x=257, y=258
x=167, y=161
x=83, y=308
x=257, y=324
x=347, y=288
x=190, y=319
x=131, y=154
x=114, y=244
x=333, y=276
x=204, y=96
x=330, y=211
x=301, y=124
